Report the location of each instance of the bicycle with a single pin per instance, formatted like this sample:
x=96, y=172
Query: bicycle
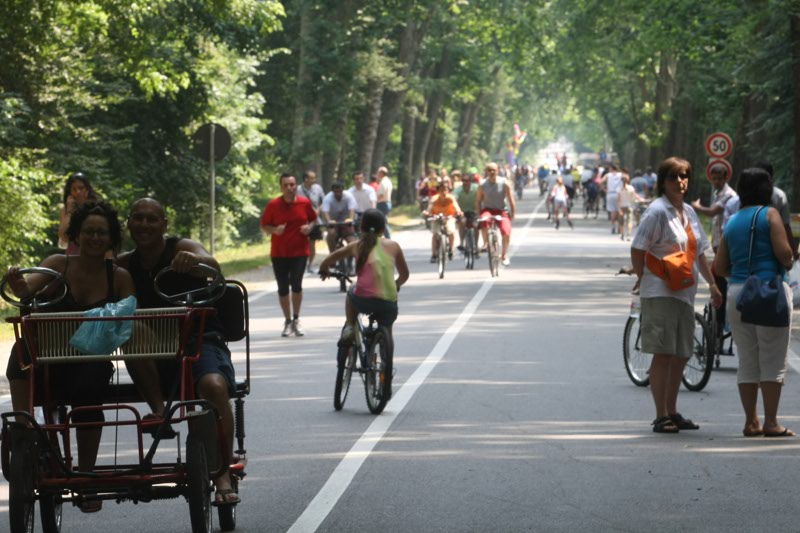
x=637, y=362
x=470, y=242
x=718, y=334
x=369, y=354
x=344, y=265
x=442, y=242
x=494, y=243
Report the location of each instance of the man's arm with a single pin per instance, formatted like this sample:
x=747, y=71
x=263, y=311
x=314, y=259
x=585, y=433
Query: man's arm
x=188, y=254
x=511, y=203
x=714, y=210
x=478, y=200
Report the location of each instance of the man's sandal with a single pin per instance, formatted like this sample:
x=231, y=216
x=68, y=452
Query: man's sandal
x=664, y=424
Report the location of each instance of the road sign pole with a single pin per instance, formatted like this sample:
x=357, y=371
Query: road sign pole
x=211, y=164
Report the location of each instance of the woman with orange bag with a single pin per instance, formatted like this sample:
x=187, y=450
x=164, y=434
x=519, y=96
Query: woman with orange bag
x=667, y=252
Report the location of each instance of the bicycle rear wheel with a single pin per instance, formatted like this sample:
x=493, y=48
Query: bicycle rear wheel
x=698, y=368
x=637, y=362
x=469, y=249
x=378, y=374
x=345, y=364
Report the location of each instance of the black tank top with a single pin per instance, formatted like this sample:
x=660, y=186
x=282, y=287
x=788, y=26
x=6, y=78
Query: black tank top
x=69, y=303
x=171, y=283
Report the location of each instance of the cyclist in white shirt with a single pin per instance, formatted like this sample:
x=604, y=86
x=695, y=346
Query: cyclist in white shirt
x=365, y=196
x=339, y=206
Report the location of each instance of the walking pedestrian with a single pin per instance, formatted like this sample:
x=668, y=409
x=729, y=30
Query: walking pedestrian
x=289, y=219
x=384, y=204
x=313, y=191
x=668, y=226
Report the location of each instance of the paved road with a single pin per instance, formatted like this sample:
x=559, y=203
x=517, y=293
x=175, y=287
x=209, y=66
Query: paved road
x=512, y=412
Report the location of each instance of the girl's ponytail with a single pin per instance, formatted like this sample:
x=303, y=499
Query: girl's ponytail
x=373, y=224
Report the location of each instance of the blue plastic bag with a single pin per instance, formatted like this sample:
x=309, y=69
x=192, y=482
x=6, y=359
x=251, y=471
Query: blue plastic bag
x=102, y=337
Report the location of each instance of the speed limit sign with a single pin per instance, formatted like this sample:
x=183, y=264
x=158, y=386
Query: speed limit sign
x=719, y=145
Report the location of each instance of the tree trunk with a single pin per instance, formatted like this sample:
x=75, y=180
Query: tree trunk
x=393, y=100
x=794, y=36
x=435, y=104
x=665, y=94
x=301, y=112
x=371, y=122
x=405, y=173
x=470, y=117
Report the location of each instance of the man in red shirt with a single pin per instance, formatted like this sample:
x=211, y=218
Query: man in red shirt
x=289, y=219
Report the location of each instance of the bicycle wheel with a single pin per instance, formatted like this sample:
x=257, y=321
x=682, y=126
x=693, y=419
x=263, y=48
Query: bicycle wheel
x=698, y=368
x=378, y=374
x=198, y=485
x=227, y=513
x=21, y=497
x=345, y=364
x=469, y=249
x=442, y=260
x=637, y=362
x=710, y=317
x=50, y=510
x=341, y=265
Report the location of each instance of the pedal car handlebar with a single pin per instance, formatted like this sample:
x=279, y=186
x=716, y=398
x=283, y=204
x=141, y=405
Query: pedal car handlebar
x=32, y=301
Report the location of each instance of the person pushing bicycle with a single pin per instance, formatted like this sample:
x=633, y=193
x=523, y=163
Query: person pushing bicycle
x=377, y=258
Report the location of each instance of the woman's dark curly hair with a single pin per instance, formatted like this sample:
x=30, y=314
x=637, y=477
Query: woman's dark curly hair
x=96, y=208
x=91, y=196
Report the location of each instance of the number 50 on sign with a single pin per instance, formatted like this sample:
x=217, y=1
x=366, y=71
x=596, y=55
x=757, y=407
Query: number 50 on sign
x=719, y=145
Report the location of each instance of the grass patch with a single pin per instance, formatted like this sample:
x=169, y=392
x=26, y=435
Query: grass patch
x=6, y=330
x=405, y=215
x=243, y=258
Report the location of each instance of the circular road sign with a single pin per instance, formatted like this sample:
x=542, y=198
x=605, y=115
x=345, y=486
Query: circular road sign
x=202, y=141
x=719, y=145
x=719, y=163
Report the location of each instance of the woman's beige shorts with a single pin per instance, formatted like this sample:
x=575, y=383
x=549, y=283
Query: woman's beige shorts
x=667, y=326
x=762, y=350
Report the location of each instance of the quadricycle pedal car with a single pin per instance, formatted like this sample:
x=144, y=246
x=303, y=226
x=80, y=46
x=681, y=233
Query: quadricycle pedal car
x=37, y=456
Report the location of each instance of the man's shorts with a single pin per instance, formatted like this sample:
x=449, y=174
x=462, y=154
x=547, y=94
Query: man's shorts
x=215, y=358
x=449, y=224
x=505, y=224
x=316, y=233
x=345, y=230
x=611, y=202
x=667, y=327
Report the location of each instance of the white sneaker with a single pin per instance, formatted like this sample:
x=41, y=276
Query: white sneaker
x=297, y=328
x=287, y=328
x=506, y=262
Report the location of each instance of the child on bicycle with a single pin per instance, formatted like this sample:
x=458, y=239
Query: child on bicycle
x=444, y=203
x=375, y=290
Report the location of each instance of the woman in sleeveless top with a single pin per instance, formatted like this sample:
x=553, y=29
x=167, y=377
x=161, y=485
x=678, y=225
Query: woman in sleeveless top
x=377, y=258
x=762, y=350
x=94, y=281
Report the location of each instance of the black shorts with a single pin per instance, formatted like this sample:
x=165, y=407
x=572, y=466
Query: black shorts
x=289, y=273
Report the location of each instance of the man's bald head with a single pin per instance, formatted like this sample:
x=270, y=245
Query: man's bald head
x=151, y=203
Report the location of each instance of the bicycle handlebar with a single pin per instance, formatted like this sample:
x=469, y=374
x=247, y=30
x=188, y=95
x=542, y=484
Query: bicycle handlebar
x=335, y=274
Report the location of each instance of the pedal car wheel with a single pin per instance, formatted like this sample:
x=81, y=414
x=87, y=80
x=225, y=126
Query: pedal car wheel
x=21, y=498
x=50, y=508
x=198, y=489
x=227, y=513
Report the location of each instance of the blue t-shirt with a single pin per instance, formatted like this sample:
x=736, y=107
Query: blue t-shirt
x=737, y=237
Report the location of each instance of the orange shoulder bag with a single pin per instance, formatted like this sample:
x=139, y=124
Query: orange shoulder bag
x=675, y=268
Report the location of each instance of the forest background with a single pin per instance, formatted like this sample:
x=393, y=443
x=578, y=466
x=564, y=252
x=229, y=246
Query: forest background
x=116, y=89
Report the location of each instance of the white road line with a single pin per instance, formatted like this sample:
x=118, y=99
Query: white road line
x=794, y=360
x=345, y=471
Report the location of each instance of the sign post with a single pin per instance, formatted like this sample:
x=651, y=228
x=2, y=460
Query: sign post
x=212, y=142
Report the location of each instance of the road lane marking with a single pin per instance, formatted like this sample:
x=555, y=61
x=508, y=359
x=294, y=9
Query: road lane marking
x=322, y=504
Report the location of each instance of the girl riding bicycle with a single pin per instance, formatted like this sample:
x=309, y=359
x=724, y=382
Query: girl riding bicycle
x=375, y=290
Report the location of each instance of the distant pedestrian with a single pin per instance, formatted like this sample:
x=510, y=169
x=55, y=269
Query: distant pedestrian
x=384, y=205
x=762, y=350
x=313, y=191
x=77, y=191
x=289, y=219
x=669, y=225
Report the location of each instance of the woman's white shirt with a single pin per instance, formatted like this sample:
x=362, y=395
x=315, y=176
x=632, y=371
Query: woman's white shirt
x=661, y=233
